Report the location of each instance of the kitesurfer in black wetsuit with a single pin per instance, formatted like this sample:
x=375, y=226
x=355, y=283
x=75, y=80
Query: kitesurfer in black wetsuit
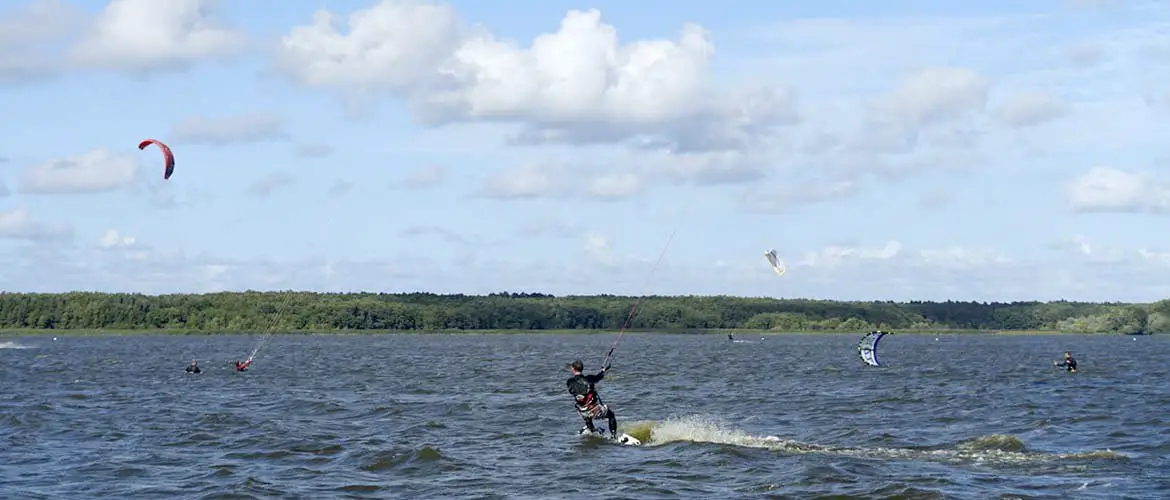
x=1069, y=362
x=729, y=337
x=588, y=403
x=194, y=368
x=242, y=366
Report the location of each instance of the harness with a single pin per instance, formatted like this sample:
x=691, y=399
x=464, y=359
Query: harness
x=589, y=405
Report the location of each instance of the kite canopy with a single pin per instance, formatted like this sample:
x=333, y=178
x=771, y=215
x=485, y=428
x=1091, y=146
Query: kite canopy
x=167, y=155
x=777, y=265
x=867, y=347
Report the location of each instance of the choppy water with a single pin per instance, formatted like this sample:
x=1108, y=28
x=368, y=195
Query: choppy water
x=487, y=416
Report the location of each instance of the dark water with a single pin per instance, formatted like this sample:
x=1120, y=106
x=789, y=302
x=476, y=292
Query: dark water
x=487, y=416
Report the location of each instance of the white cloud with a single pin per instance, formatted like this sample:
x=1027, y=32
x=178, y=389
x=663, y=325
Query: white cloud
x=615, y=186
x=959, y=257
x=234, y=129
x=27, y=38
x=932, y=96
x=92, y=172
x=1029, y=109
x=269, y=183
x=427, y=176
x=834, y=255
x=115, y=239
x=843, y=272
x=1111, y=190
x=154, y=34
x=1161, y=258
x=598, y=249
x=579, y=85
x=526, y=182
x=18, y=225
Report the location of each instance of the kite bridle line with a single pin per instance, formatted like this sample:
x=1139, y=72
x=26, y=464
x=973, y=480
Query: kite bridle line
x=272, y=326
x=276, y=320
x=634, y=308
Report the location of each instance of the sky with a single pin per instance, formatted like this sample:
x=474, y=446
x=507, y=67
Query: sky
x=912, y=150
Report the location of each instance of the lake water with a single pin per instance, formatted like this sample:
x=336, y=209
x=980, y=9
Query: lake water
x=488, y=416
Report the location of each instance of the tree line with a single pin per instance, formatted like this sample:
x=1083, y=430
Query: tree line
x=310, y=311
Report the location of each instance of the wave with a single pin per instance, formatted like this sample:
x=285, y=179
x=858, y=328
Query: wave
x=995, y=448
x=13, y=345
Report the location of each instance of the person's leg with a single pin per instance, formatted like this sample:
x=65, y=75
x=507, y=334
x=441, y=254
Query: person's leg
x=589, y=423
x=612, y=423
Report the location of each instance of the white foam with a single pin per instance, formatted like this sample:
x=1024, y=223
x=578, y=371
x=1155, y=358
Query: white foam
x=12, y=345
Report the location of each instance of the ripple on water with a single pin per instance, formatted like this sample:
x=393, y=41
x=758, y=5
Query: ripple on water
x=789, y=417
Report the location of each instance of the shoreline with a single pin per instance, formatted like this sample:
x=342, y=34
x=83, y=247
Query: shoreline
x=128, y=332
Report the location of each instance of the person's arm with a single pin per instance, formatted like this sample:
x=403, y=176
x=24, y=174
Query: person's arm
x=593, y=379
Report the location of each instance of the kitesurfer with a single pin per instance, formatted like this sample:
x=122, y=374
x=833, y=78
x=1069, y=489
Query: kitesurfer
x=729, y=337
x=194, y=368
x=242, y=366
x=588, y=403
x=1069, y=362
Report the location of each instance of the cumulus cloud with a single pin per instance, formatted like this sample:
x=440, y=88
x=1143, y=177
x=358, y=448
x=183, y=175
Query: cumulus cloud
x=863, y=272
x=18, y=225
x=1030, y=109
x=1112, y=190
x=598, y=249
x=527, y=181
x=43, y=38
x=932, y=96
x=579, y=85
x=234, y=129
x=621, y=177
x=115, y=239
x=155, y=34
x=28, y=37
x=835, y=255
x=92, y=172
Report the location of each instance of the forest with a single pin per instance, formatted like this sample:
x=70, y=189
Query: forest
x=322, y=312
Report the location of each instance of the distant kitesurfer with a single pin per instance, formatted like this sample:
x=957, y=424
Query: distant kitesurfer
x=588, y=403
x=1069, y=362
x=194, y=368
x=729, y=337
x=242, y=366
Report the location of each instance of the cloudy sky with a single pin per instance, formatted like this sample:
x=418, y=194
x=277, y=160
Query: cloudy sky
x=887, y=150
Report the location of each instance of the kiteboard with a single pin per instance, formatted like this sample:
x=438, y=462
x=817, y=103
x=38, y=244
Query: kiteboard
x=622, y=438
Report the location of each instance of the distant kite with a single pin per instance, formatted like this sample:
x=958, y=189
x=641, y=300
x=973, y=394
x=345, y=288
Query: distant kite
x=170, y=157
x=777, y=264
x=867, y=347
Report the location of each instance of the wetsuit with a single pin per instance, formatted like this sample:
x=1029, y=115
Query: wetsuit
x=241, y=367
x=1069, y=363
x=193, y=369
x=588, y=403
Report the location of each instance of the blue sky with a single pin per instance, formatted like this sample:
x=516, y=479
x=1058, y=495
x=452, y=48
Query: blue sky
x=886, y=150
